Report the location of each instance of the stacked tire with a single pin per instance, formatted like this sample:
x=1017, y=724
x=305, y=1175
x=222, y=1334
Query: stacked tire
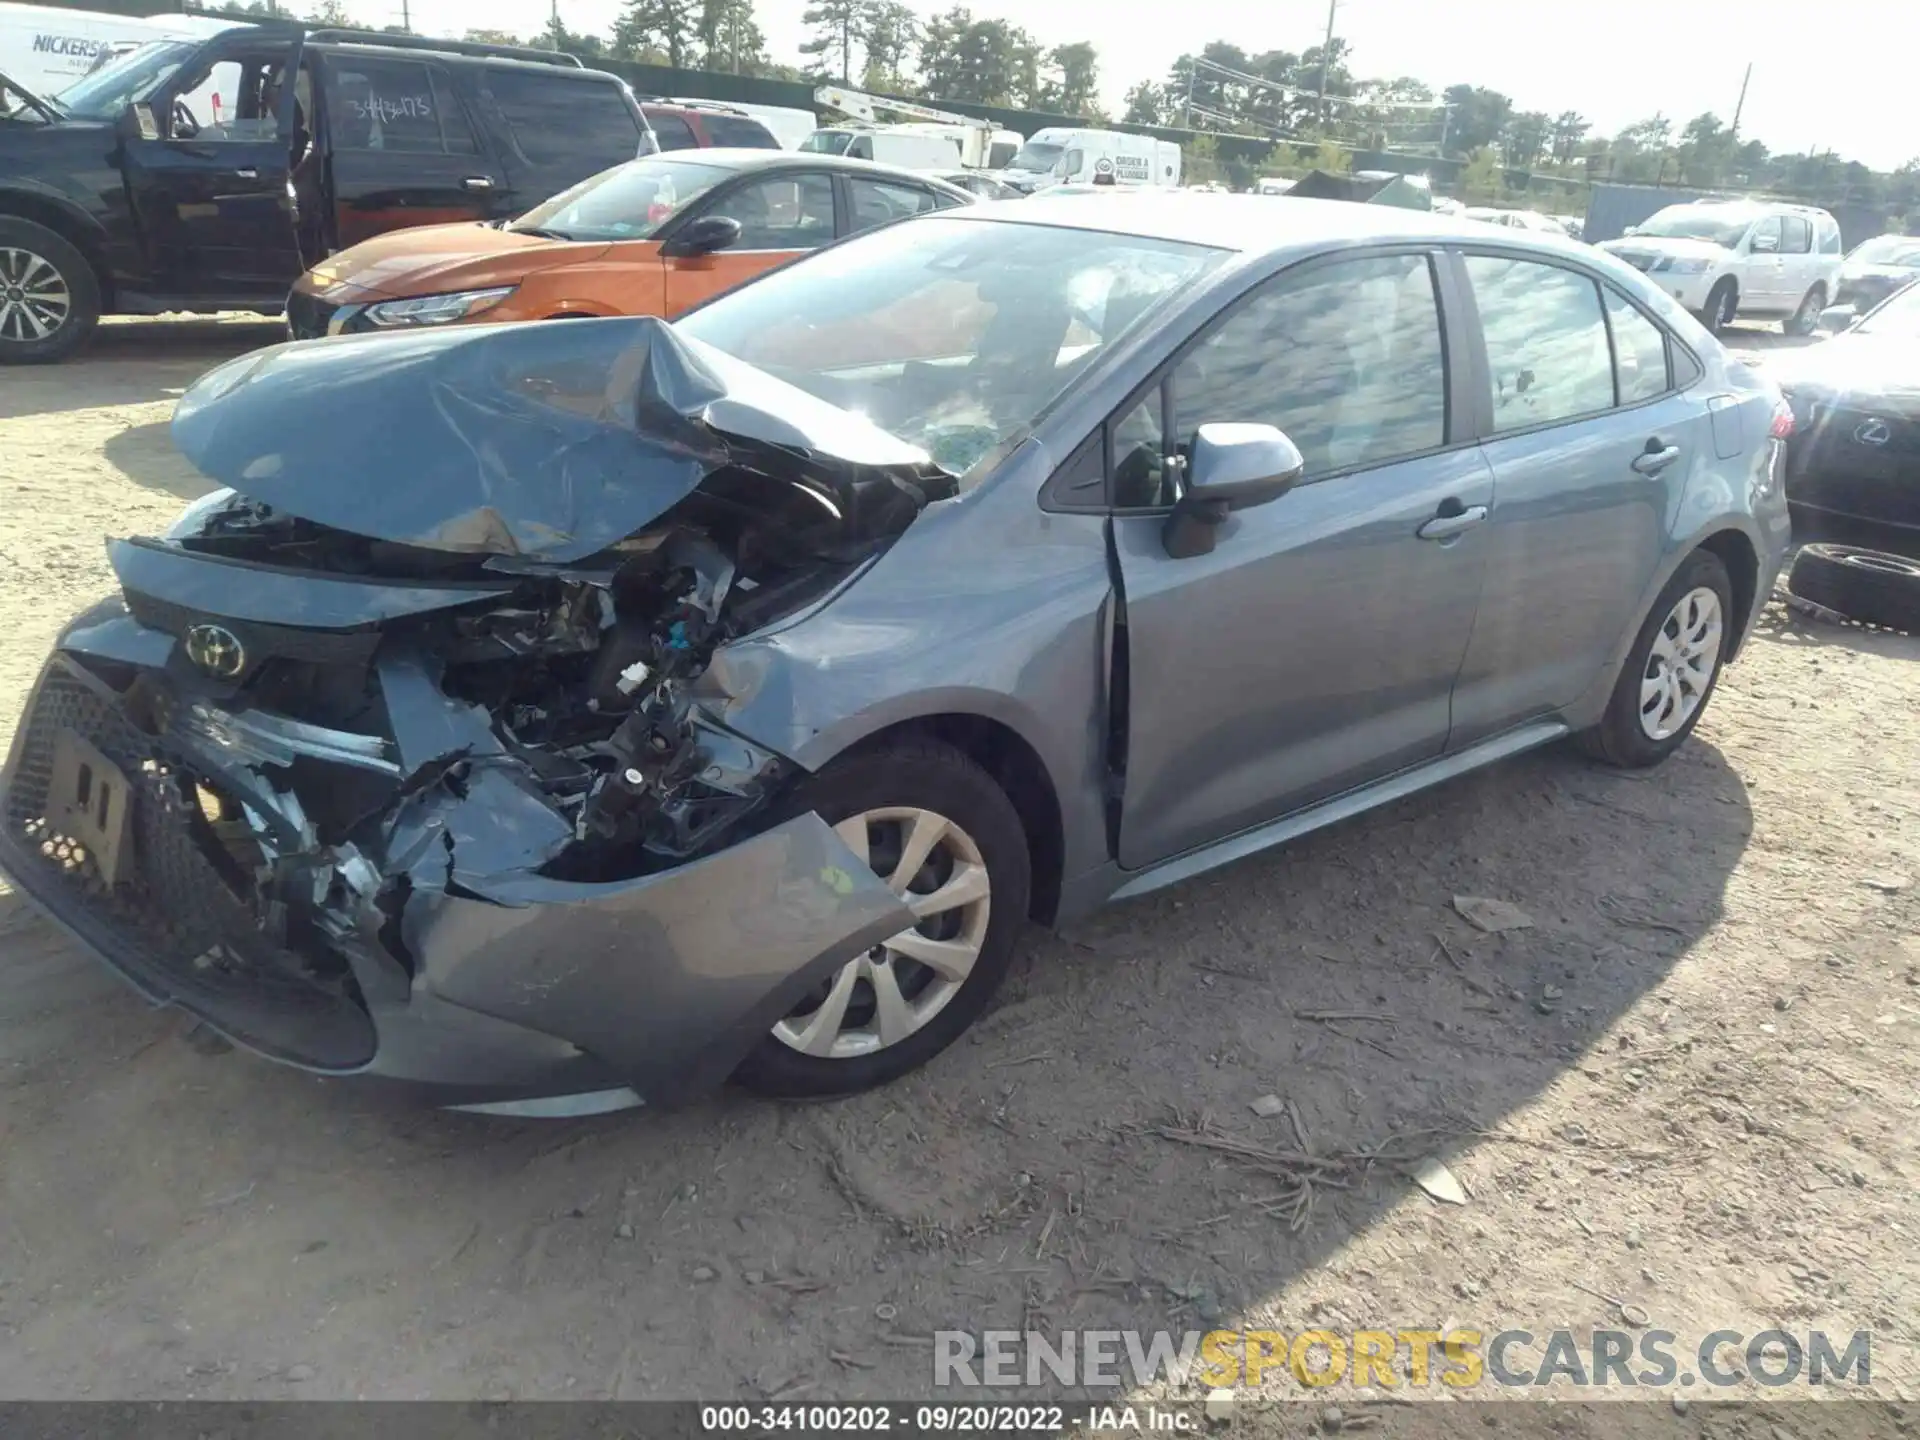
x=1869, y=586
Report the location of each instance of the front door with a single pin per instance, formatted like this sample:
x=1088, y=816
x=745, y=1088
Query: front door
x=1765, y=286
x=212, y=192
x=403, y=148
x=1589, y=479
x=781, y=216
x=1315, y=648
x=1799, y=261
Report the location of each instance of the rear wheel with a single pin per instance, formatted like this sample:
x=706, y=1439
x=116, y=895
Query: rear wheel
x=1671, y=670
x=946, y=839
x=1806, y=319
x=49, y=296
x=1723, y=303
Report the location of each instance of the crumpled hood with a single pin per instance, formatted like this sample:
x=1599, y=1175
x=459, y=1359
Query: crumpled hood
x=1858, y=368
x=1669, y=246
x=437, y=259
x=549, y=440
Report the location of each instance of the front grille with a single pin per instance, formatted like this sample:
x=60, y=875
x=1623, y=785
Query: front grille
x=307, y=315
x=170, y=920
x=259, y=642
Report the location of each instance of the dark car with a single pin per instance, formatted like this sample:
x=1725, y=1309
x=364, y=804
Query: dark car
x=123, y=200
x=1875, y=268
x=1853, y=465
x=705, y=124
x=594, y=709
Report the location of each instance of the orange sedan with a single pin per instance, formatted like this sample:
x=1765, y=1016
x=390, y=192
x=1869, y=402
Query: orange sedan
x=653, y=236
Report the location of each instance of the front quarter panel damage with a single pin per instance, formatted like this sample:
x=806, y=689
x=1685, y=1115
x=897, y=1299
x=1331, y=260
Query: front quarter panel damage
x=674, y=976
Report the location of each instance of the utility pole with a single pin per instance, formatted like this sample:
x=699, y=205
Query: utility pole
x=1326, y=54
x=406, y=17
x=1192, y=66
x=1741, y=104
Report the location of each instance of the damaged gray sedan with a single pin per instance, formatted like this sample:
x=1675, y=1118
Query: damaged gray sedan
x=554, y=717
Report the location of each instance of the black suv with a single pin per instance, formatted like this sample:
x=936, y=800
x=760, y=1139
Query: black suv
x=118, y=198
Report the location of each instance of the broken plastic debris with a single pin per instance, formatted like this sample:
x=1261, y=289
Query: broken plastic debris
x=632, y=678
x=1492, y=916
x=1439, y=1182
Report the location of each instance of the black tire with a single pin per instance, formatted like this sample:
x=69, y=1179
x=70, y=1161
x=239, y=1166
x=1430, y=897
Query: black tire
x=22, y=242
x=1870, y=586
x=1806, y=319
x=922, y=774
x=1620, y=738
x=1723, y=303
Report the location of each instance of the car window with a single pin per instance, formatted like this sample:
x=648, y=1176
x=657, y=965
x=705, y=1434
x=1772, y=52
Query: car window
x=233, y=100
x=1639, y=351
x=578, y=125
x=1797, y=235
x=672, y=131
x=1547, y=352
x=394, y=105
x=628, y=202
x=1829, y=237
x=1769, y=227
x=781, y=212
x=875, y=202
x=860, y=147
x=740, y=132
x=1346, y=358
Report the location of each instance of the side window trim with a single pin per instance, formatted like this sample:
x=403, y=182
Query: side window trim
x=1672, y=347
x=1162, y=377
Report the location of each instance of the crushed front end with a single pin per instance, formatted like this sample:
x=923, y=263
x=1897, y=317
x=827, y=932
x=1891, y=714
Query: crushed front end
x=380, y=801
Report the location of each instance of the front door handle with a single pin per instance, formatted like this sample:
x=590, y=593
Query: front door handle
x=477, y=182
x=249, y=173
x=1655, y=458
x=1445, y=526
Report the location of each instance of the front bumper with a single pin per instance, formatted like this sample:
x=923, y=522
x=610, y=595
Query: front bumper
x=645, y=989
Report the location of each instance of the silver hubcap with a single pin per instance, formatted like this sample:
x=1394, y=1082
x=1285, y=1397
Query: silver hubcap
x=880, y=998
x=1685, y=651
x=34, y=298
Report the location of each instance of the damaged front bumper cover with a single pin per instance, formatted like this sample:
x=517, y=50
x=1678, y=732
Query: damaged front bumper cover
x=479, y=982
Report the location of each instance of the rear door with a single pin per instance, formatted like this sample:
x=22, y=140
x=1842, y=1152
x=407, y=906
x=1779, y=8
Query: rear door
x=404, y=150
x=558, y=126
x=1799, y=260
x=211, y=191
x=1591, y=444
x=782, y=215
x=1764, y=283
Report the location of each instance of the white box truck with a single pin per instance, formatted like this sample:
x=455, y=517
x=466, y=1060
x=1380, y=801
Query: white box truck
x=47, y=49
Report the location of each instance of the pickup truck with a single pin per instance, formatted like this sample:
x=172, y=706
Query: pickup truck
x=133, y=193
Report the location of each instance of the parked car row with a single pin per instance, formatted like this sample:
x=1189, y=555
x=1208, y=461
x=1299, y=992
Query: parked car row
x=553, y=717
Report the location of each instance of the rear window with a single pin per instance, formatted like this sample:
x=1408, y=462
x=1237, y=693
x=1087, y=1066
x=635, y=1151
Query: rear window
x=566, y=122
x=671, y=130
x=738, y=130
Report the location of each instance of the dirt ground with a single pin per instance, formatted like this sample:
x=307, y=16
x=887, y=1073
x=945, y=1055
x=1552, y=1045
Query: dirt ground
x=1691, y=1085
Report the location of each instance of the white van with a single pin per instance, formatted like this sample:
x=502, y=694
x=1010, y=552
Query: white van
x=1755, y=259
x=1057, y=156
x=908, y=146
x=47, y=50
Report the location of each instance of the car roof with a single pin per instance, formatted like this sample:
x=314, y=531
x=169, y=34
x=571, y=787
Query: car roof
x=374, y=50
x=1248, y=224
x=746, y=158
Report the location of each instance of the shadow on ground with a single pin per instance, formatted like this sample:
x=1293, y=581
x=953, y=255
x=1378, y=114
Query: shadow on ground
x=145, y=454
x=183, y=1223
x=130, y=362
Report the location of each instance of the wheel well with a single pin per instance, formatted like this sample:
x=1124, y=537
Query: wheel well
x=44, y=212
x=1743, y=570
x=1016, y=767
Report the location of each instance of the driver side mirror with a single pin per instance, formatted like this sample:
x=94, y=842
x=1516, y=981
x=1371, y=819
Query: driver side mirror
x=1766, y=244
x=1836, y=318
x=1233, y=466
x=702, y=237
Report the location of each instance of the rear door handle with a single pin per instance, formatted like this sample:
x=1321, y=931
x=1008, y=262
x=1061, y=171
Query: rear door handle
x=1656, y=458
x=477, y=182
x=1444, y=527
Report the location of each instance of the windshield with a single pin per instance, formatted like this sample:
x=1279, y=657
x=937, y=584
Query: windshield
x=1680, y=223
x=827, y=142
x=628, y=202
x=955, y=335
x=117, y=84
x=1888, y=250
x=1899, y=316
x=1035, y=155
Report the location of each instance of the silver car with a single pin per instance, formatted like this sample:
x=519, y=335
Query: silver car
x=559, y=716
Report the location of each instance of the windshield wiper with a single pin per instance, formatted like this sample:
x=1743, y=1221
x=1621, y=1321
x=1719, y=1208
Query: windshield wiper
x=536, y=230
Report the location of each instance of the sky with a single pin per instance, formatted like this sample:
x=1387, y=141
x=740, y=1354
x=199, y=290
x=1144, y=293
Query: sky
x=1827, y=74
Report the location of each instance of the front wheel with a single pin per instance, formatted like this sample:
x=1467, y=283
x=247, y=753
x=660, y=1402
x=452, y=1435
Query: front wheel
x=49, y=296
x=1806, y=319
x=948, y=842
x=1722, y=305
x=1670, y=671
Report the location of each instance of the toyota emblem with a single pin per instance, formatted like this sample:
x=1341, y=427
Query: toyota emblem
x=216, y=650
x=1873, y=432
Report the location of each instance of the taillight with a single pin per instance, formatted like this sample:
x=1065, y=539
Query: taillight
x=1783, y=422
